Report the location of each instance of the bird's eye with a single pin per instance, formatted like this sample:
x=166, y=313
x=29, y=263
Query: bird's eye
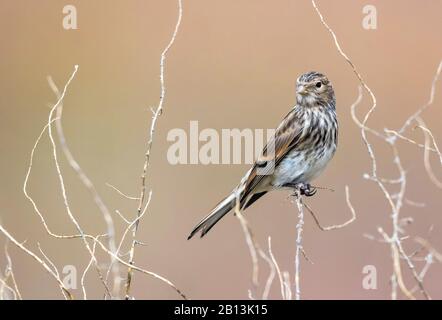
x=318, y=84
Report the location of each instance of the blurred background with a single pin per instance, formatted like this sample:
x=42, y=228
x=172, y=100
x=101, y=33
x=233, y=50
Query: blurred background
x=234, y=65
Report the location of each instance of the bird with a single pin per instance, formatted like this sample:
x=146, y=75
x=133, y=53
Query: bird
x=300, y=149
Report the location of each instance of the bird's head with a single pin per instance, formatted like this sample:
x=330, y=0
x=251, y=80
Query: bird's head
x=314, y=89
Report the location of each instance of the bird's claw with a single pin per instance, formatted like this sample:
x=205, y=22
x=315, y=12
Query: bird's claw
x=307, y=190
x=303, y=189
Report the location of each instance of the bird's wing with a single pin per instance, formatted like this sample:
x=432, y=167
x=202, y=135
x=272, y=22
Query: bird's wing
x=287, y=137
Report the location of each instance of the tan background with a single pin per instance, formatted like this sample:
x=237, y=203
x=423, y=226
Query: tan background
x=230, y=59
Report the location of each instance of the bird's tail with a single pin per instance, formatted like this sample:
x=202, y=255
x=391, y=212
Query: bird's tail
x=215, y=215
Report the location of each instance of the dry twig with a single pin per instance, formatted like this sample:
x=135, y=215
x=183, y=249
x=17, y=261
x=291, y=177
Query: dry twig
x=336, y=226
x=38, y=259
x=82, y=176
x=156, y=114
x=299, y=248
x=394, y=200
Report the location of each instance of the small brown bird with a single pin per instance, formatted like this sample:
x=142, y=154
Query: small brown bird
x=301, y=148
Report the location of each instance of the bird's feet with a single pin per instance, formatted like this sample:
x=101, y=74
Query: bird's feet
x=305, y=189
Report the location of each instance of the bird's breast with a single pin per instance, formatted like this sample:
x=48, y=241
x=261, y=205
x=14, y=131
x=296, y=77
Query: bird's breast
x=309, y=157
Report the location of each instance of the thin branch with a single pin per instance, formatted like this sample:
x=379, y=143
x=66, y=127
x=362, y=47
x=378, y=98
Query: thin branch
x=336, y=226
x=299, y=248
x=136, y=268
x=363, y=125
x=287, y=285
x=355, y=118
x=428, y=262
x=423, y=242
x=272, y=273
x=414, y=203
x=251, y=243
x=396, y=238
x=25, y=190
x=61, y=180
x=121, y=193
x=52, y=264
x=156, y=114
x=82, y=176
x=5, y=285
x=122, y=216
x=397, y=134
x=278, y=271
x=397, y=275
x=427, y=163
x=48, y=260
x=413, y=270
x=10, y=273
x=425, y=106
x=436, y=148
x=130, y=227
x=83, y=276
x=38, y=259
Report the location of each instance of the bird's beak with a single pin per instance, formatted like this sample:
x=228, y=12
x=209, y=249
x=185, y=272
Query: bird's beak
x=302, y=90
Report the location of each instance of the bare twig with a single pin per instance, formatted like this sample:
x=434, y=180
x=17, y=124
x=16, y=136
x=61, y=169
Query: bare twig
x=25, y=191
x=61, y=180
x=48, y=260
x=272, y=273
x=407, y=139
x=423, y=242
x=397, y=279
x=362, y=125
x=394, y=200
x=130, y=227
x=287, y=285
x=141, y=270
x=429, y=102
x=427, y=164
x=336, y=226
x=278, y=270
x=85, y=180
x=299, y=248
x=414, y=203
x=436, y=148
x=51, y=264
x=5, y=285
x=38, y=259
x=25, y=184
x=251, y=243
x=10, y=273
x=122, y=216
x=156, y=114
x=413, y=270
x=121, y=193
x=91, y=261
x=355, y=118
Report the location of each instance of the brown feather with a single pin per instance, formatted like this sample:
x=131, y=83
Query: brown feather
x=285, y=138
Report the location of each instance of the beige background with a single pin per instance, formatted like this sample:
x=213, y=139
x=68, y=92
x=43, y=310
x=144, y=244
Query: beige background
x=230, y=59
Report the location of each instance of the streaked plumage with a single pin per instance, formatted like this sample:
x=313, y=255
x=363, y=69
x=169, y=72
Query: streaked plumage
x=301, y=148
